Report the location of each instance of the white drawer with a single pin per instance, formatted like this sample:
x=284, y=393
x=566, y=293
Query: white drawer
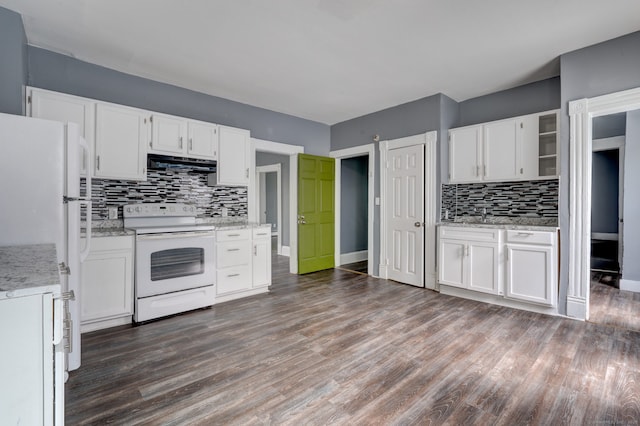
x=233, y=279
x=232, y=253
x=262, y=232
x=469, y=233
x=233, y=235
x=531, y=237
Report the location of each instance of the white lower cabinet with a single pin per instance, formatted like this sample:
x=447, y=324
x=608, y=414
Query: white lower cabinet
x=531, y=272
x=261, y=261
x=107, y=283
x=476, y=259
x=469, y=258
x=243, y=262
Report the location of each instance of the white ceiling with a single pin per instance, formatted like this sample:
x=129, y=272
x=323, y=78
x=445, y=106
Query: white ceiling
x=328, y=60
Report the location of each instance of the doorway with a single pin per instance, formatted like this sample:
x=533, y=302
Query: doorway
x=270, y=205
x=355, y=216
x=414, y=228
x=581, y=300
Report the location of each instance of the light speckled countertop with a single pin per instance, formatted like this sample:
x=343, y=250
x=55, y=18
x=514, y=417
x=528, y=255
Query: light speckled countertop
x=520, y=223
x=29, y=267
x=115, y=228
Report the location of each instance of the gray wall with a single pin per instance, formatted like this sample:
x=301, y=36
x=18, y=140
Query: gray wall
x=403, y=120
x=267, y=159
x=608, y=126
x=354, y=208
x=13, y=66
x=53, y=71
x=271, y=189
x=631, y=230
x=530, y=98
x=596, y=70
x=604, y=192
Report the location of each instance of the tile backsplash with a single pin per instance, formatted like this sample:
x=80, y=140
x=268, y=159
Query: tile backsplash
x=522, y=199
x=168, y=186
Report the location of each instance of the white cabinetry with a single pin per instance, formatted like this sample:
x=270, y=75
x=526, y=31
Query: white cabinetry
x=465, y=154
x=470, y=264
x=469, y=258
x=202, y=140
x=67, y=109
x=172, y=135
x=531, y=267
x=233, y=163
x=27, y=356
x=122, y=134
x=168, y=134
x=107, y=283
x=501, y=150
x=261, y=263
x=233, y=261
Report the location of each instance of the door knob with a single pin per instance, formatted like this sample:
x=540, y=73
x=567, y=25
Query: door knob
x=417, y=224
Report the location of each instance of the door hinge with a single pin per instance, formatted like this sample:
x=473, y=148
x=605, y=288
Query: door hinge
x=151, y=119
x=522, y=125
x=64, y=269
x=29, y=99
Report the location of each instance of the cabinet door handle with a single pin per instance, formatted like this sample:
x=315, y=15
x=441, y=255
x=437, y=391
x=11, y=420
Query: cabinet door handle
x=262, y=233
x=190, y=144
x=484, y=170
x=466, y=247
x=233, y=235
x=477, y=170
x=234, y=249
x=525, y=234
x=247, y=173
x=97, y=163
x=255, y=250
x=180, y=142
x=232, y=275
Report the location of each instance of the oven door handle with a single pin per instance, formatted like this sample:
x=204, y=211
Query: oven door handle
x=172, y=235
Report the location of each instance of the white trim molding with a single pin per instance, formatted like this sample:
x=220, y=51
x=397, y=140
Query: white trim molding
x=429, y=141
x=292, y=151
x=353, y=257
x=340, y=155
x=630, y=285
x=272, y=168
x=581, y=113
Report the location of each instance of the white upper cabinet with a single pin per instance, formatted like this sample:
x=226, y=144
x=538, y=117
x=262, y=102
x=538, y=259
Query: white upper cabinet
x=67, y=109
x=122, y=134
x=233, y=155
x=465, y=154
x=502, y=150
x=168, y=135
x=203, y=140
x=172, y=135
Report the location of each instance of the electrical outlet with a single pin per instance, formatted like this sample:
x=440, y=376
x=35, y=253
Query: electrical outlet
x=113, y=212
x=225, y=212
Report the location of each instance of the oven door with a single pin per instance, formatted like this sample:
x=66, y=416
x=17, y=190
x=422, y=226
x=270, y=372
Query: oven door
x=174, y=261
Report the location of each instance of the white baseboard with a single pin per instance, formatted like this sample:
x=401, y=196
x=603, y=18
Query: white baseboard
x=355, y=256
x=576, y=308
x=286, y=251
x=630, y=285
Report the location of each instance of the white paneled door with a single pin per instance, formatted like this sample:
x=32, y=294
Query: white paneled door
x=405, y=213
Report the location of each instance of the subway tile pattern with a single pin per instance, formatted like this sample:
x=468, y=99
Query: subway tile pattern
x=168, y=186
x=530, y=199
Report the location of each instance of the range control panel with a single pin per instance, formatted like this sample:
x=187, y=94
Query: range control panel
x=159, y=210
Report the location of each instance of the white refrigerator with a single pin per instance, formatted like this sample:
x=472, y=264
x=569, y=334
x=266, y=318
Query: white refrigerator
x=41, y=200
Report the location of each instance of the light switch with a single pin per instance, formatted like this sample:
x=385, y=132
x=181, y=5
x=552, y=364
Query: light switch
x=113, y=212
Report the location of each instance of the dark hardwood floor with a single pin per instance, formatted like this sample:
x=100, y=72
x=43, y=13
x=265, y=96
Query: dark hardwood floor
x=359, y=267
x=336, y=347
x=608, y=305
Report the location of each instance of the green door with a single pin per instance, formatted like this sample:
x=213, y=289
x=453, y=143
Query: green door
x=316, y=186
